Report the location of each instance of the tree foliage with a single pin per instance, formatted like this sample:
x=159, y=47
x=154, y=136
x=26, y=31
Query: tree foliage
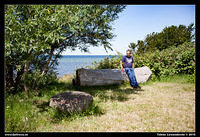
x=36, y=35
x=168, y=37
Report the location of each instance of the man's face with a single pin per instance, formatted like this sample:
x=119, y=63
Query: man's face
x=128, y=53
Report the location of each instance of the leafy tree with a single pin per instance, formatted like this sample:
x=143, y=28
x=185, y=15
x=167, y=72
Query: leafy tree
x=168, y=37
x=133, y=47
x=36, y=35
x=141, y=46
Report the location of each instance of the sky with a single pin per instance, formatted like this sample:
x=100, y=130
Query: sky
x=136, y=21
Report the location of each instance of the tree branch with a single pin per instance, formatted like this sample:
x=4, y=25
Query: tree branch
x=48, y=61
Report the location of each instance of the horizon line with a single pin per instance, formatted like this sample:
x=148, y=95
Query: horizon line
x=88, y=55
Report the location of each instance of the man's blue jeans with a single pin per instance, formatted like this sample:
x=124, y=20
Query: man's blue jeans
x=131, y=75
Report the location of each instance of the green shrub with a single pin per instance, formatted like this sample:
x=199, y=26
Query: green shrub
x=36, y=80
x=170, y=61
x=111, y=63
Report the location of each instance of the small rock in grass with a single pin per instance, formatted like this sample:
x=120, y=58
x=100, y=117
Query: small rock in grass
x=72, y=101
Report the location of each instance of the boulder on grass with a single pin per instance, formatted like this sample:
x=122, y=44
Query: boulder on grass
x=142, y=74
x=72, y=102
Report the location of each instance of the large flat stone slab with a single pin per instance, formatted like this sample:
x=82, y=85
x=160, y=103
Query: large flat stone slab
x=101, y=77
x=98, y=77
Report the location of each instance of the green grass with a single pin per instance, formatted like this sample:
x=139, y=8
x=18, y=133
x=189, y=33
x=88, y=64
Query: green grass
x=179, y=78
x=22, y=111
x=19, y=113
x=114, y=107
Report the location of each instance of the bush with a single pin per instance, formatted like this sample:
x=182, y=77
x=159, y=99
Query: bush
x=36, y=80
x=107, y=63
x=170, y=61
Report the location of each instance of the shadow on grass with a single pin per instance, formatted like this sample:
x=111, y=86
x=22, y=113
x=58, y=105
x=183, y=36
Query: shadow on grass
x=110, y=92
x=42, y=106
x=55, y=88
x=57, y=115
x=104, y=93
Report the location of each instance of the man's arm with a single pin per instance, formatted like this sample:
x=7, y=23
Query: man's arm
x=133, y=63
x=121, y=66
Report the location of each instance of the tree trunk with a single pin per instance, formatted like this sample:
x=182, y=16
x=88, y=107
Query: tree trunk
x=18, y=78
x=48, y=61
x=9, y=78
x=26, y=69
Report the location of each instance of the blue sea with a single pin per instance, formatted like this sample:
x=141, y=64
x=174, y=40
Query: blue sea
x=69, y=63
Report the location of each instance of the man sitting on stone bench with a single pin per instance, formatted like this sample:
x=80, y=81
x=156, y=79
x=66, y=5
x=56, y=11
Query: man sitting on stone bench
x=129, y=69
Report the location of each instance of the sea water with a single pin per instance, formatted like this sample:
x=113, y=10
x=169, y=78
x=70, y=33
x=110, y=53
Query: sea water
x=69, y=63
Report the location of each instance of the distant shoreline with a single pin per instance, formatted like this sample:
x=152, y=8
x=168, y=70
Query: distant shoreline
x=90, y=55
x=67, y=74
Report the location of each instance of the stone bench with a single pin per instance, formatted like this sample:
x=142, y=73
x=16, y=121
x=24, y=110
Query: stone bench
x=101, y=77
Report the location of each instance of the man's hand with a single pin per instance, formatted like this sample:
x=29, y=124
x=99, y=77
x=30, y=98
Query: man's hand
x=133, y=65
x=122, y=69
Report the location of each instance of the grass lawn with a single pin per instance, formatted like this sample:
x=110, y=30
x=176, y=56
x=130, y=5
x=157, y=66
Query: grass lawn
x=166, y=105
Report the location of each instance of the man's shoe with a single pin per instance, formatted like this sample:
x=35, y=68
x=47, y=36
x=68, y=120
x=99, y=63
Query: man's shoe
x=134, y=88
x=138, y=87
